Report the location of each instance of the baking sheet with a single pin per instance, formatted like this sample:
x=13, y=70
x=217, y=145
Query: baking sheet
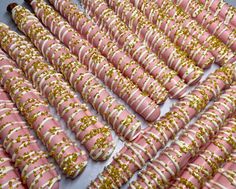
x=93, y=168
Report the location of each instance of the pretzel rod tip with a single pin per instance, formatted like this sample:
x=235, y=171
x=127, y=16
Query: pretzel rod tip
x=11, y=6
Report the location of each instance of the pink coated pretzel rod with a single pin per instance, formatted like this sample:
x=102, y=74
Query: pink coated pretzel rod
x=9, y=176
x=221, y=52
x=223, y=10
x=34, y=108
x=133, y=156
x=23, y=148
x=91, y=32
x=225, y=177
x=91, y=57
x=164, y=168
x=178, y=34
x=209, y=21
x=138, y=100
x=174, y=57
x=95, y=61
x=124, y=123
x=92, y=134
x=135, y=48
x=207, y=162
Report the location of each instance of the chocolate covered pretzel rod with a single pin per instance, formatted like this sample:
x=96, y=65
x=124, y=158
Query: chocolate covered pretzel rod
x=90, y=32
x=164, y=168
x=208, y=161
x=93, y=135
x=91, y=57
x=23, y=147
x=178, y=35
x=124, y=123
x=157, y=40
x=225, y=178
x=209, y=21
x=70, y=159
x=9, y=176
x=134, y=155
x=135, y=48
x=138, y=100
x=221, y=9
x=221, y=52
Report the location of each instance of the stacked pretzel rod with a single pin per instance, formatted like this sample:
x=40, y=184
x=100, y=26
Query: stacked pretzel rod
x=70, y=159
x=174, y=57
x=221, y=52
x=208, y=161
x=85, y=27
x=158, y=174
x=209, y=21
x=223, y=10
x=91, y=56
x=9, y=176
x=169, y=79
x=22, y=147
x=138, y=51
x=128, y=67
x=93, y=135
x=134, y=155
x=100, y=11
x=178, y=35
x=143, y=51
x=178, y=32
x=51, y=48
x=225, y=176
x=185, y=68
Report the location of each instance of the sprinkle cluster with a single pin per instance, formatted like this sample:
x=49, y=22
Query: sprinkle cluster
x=90, y=88
x=133, y=156
x=61, y=58
x=225, y=176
